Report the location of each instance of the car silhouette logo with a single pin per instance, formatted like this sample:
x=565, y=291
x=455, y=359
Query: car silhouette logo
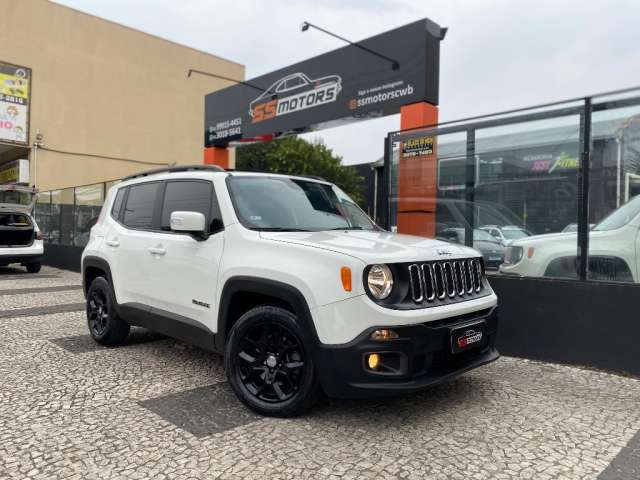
x=469, y=337
x=294, y=93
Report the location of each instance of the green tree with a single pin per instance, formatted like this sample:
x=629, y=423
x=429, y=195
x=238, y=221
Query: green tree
x=296, y=156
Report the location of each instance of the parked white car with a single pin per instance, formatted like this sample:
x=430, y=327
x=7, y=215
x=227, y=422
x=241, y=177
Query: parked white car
x=505, y=234
x=614, y=247
x=20, y=237
x=291, y=281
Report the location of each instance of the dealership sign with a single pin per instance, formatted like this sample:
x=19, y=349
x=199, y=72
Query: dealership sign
x=344, y=85
x=15, y=91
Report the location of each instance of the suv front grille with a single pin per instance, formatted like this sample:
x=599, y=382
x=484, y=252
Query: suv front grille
x=446, y=279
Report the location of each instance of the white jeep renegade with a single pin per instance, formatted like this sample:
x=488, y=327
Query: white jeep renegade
x=290, y=280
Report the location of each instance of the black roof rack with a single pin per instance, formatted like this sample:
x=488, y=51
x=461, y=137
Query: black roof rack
x=177, y=168
x=312, y=177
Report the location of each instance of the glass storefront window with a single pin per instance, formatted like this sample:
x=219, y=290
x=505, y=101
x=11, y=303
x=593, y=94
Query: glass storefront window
x=87, y=205
x=500, y=186
x=43, y=213
x=62, y=217
x=614, y=192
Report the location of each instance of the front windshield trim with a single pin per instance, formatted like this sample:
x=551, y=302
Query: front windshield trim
x=349, y=224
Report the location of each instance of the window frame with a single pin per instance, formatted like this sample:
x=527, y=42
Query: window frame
x=214, y=207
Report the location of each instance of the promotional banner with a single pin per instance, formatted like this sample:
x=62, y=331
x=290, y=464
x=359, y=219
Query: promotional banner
x=15, y=90
x=341, y=86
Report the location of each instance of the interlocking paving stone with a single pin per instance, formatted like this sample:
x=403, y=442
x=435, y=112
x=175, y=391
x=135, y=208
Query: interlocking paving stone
x=6, y=276
x=626, y=465
x=34, y=311
x=202, y=411
x=85, y=343
x=91, y=416
x=25, y=291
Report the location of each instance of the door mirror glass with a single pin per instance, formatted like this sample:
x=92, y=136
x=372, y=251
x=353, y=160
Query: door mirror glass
x=188, y=222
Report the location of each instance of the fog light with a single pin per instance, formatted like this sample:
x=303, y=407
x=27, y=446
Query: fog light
x=373, y=360
x=384, y=334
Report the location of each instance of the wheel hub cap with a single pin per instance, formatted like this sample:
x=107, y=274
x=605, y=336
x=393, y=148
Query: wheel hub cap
x=271, y=361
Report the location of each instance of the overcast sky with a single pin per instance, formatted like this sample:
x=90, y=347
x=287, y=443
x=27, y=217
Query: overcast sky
x=497, y=54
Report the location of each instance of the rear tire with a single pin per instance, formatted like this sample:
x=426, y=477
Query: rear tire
x=268, y=364
x=105, y=326
x=34, y=267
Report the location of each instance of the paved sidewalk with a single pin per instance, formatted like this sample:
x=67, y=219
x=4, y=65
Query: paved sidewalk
x=159, y=409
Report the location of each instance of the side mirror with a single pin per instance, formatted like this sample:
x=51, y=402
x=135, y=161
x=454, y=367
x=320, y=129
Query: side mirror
x=189, y=222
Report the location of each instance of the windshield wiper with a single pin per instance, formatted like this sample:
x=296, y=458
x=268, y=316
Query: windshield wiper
x=280, y=229
x=346, y=228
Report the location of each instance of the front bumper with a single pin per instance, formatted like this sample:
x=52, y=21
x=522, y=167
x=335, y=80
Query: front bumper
x=424, y=350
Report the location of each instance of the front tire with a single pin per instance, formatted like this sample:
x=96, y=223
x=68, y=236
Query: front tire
x=268, y=364
x=104, y=324
x=34, y=267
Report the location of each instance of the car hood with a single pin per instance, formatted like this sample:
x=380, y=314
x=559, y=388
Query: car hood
x=374, y=247
x=545, y=238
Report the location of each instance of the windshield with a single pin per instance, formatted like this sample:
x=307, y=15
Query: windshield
x=281, y=203
x=513, y=234
x=481, y=235
x=620, y=217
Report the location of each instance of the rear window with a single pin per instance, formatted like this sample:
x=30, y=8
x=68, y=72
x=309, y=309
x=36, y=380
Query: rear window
x=138, y=212
x=15, y=198
x=117, y=204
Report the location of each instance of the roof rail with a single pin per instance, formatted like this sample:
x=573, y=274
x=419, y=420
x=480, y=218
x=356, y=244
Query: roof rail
x=177, y=168
x=312, y=177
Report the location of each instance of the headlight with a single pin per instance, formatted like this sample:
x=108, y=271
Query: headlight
x=513, y=255
x=380, y=281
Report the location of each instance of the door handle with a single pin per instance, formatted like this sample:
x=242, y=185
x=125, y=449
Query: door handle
x=157, y=250
x=112, y=242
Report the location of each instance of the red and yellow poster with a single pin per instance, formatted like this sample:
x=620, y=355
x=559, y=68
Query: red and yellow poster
x=15, y=92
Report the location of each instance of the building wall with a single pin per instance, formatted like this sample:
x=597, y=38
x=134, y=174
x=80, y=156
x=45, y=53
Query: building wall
x=108, y=90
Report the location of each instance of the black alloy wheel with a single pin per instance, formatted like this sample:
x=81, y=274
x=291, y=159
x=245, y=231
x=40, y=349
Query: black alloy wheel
x=271, y=362
x=97, y=312
x=268, y=363
x=105, y=326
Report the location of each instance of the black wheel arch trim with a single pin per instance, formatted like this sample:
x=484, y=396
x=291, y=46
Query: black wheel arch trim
x=97, y=262
x=272, y=288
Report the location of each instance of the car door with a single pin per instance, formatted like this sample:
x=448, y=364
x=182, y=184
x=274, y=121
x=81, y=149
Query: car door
x=129, y=243
x=187, y=268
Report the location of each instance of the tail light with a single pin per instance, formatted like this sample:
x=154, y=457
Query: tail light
x=38, y=235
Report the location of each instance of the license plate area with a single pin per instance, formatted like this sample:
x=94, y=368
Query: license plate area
x=468, y=337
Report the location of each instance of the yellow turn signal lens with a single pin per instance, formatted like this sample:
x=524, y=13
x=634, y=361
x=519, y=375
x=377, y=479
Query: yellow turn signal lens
x=384, y=334
x=373, y=360
x=530, y=252
x=345, y=276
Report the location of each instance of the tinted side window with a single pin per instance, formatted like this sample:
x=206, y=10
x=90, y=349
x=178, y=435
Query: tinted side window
x=186, y=196
x=138, y=212
x=117, y=203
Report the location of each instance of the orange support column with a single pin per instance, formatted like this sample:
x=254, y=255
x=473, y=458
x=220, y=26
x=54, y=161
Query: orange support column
x=217, y=156
x=417, y=176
